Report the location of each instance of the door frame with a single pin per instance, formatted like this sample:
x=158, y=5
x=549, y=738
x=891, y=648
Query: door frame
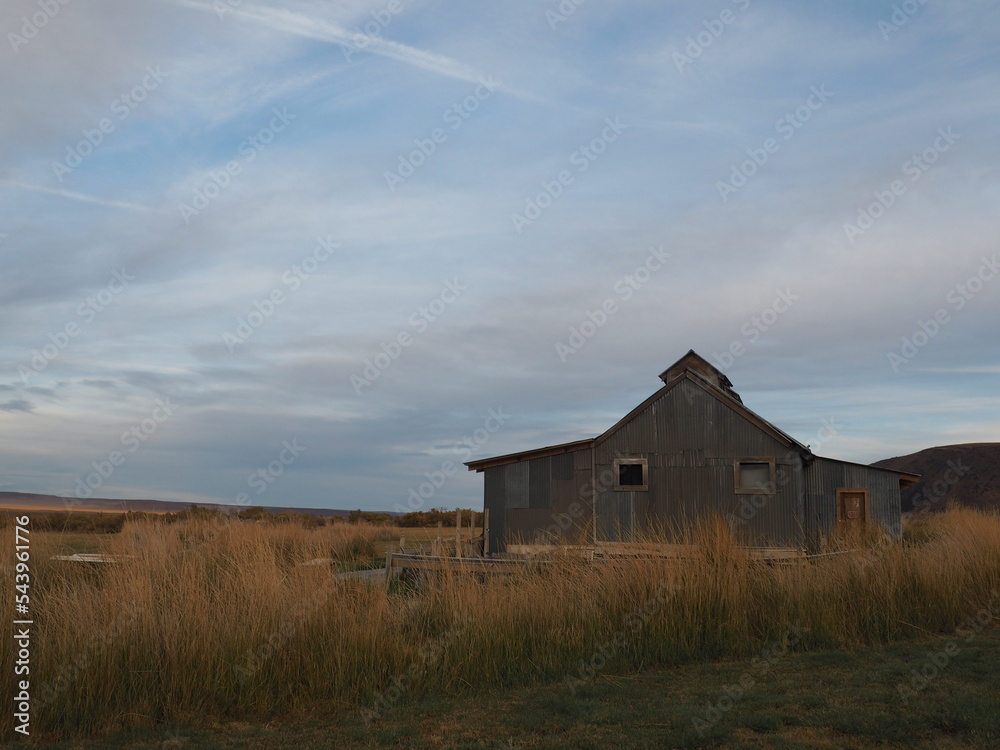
x=841, y=491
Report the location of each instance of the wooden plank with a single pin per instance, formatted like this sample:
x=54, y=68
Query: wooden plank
x=610, y=549
x=606, y=552
x=450, y=563
x=486, y=532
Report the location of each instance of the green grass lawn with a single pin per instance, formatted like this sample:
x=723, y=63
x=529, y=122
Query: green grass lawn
x=826, y=699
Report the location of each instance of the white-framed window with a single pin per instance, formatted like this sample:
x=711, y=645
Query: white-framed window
x=754, y=476
x=631, y=474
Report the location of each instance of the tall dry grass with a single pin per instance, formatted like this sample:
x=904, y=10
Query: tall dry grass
x=219, y=619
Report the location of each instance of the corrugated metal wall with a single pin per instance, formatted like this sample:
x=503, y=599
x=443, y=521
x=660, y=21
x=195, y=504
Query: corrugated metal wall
x=825, y=476
x=494, y=500
x=690, y=440
x=540, y=501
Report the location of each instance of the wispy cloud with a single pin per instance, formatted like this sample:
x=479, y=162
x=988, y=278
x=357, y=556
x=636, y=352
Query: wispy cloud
x=290, y=22
x=70, y=195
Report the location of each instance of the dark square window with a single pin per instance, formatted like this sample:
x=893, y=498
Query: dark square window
x=630, y=475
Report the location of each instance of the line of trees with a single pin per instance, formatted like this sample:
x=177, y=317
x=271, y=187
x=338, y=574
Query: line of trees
x=111, y=523
x=434, y=516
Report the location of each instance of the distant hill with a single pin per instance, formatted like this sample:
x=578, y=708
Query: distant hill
x=39, y=503
x=968, y=474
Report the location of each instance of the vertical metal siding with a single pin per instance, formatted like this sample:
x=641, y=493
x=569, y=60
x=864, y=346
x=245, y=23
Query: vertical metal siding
x=616, y=516
x=540, y=482
x=494, y=500
x=540, y=501
x=691, y=440
x=583, y=503
x=562, y=466
x=826, y=476
x=516, y=484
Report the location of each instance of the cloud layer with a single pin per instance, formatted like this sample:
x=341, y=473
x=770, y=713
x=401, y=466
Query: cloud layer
x=366, y=227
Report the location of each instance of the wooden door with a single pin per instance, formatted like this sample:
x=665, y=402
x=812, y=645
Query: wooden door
x=852, y=509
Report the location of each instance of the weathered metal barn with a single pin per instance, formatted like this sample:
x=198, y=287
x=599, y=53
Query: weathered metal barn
x=689, y=450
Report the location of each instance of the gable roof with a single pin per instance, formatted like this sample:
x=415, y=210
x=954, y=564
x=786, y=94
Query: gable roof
x=690, y=368
x=728, y=399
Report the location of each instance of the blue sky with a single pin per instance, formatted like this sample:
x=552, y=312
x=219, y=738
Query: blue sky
x=318, y=254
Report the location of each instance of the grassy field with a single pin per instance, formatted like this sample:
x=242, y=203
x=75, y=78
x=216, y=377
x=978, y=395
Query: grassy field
x=821, y=699
x=218, y=623
x=373, y=555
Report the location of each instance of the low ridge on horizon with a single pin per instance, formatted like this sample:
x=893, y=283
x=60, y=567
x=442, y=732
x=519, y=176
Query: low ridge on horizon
x=964, y=473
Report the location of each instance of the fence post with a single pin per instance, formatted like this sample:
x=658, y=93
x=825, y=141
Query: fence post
x=486, y=532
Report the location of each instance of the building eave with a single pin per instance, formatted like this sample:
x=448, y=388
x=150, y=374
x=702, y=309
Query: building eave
x=906, y=478
x=513, y=458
